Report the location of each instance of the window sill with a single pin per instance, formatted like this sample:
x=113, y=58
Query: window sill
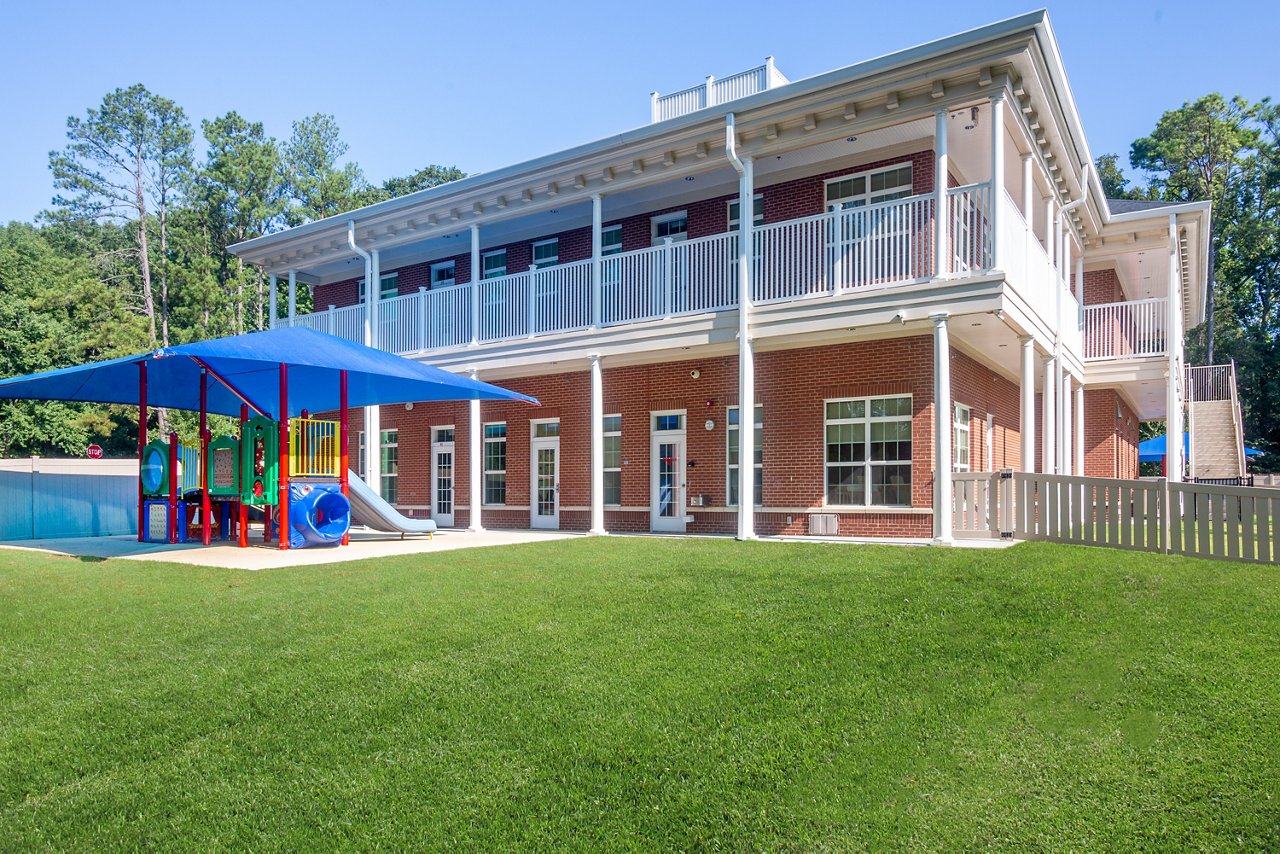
x=873, y=508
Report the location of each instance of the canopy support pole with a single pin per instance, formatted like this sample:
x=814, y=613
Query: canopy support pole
x=242, y=520
x=142, y=444
x=205, y=508
x=217, y=376
x=344, y=451
x=173, y=487
x=283, y=524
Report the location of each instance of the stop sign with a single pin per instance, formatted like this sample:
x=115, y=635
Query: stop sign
x=94, y=452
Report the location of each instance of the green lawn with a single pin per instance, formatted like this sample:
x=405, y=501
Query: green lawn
x=644, y=694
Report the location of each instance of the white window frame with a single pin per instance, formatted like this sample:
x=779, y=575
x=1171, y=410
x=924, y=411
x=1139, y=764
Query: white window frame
x=384, y=292
x=485, y=440
x=389, y=480
x=607, y=248
x=360, y=454
x=550, y=260
x=613, y=434
x=963, y=429
x=731, y=469
x=867, y=197
x=662, y=219
x=451, y=280
x=867, y=463
x=485, y=272
x=756, y=218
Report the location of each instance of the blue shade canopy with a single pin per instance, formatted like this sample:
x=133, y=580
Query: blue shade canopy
x=251, y=364
x=1152, y=450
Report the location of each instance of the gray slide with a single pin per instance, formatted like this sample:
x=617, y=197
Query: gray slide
x=368, y=509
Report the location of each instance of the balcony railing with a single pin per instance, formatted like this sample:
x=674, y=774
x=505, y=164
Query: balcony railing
x=713, y=91
x=841, y=252
x=1125, y=330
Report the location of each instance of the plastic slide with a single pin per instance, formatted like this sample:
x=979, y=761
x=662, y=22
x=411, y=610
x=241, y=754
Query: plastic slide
x=319, y=514
x=368, y=509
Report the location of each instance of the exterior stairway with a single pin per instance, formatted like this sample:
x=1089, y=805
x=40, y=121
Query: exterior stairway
x=1217, y=438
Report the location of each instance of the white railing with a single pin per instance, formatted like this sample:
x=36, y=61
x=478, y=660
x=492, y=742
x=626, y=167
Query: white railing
x=1071, y=322
x=1125, y=330
x=1027, y=267
x=969, y=224
x=505, y=307
x=398, y=320
x=346, y=322
x=713, y=91
x=447, y=313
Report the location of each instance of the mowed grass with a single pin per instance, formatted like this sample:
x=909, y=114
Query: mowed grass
x=651, y=694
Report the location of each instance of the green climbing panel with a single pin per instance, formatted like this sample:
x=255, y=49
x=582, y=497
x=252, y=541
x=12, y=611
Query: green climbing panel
x=260, y=461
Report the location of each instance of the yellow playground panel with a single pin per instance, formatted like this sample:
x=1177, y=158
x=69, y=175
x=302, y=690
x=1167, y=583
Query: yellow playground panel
x=313, y=448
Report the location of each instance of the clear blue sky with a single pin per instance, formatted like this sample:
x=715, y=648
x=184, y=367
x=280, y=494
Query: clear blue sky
x=484, y=84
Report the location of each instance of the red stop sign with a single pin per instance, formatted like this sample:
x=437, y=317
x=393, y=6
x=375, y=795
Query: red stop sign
x=94, y=452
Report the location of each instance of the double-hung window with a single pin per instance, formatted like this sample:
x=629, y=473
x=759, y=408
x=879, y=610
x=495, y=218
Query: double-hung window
x=671, y=225
x=613, y=460
x=733, y=455
x=868, y=451
x=757, y=211
x=389, y=463
x=868, y=188
x=493, y=264
x=389, y=287
x=495, y=463
x=961, y=432
x=546, y=253
x=443, y=274
x=611, y=240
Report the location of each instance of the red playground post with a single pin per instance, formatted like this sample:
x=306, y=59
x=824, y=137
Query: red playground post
x=343, y=451
x=242, y=522
x=173, y=487
x=142, y=444
x=284, y=457
x=205, y=509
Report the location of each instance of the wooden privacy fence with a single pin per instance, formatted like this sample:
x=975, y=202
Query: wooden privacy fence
x=1197, y=519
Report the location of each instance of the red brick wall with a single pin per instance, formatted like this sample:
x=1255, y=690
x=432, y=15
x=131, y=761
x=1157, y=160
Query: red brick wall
x=791, y=385
x=793, y=199
x=1102, y=286
x=1110, y=439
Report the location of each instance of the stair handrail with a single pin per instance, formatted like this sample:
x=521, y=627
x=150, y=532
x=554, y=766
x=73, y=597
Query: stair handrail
x=1237, y=421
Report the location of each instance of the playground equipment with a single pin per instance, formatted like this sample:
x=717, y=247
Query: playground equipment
x=368, y=508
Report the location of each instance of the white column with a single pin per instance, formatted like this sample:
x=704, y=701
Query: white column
x=597, y=292
x=293, y=295
x=1049, y=243
x=997, y=180
x=1078, y=433
x=941, y=168
x=746, y=359
x=475, y=285
x=1173, y=401
x=476, y=462
x=1066, y=255
x=942, y=430
x=1027, y=421
x=1048, y=392
x=372, y=414
x=1065, y=443
x=1028, y=190
x=272, y=296
x=597, y=446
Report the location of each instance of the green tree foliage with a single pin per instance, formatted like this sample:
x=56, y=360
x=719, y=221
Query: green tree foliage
x=318, y=186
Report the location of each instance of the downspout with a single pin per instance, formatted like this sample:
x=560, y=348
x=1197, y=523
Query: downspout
x=372, y=427
x=746, y=361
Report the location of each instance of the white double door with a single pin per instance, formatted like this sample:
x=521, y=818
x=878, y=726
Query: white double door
x=544, y=468
x=667, y=453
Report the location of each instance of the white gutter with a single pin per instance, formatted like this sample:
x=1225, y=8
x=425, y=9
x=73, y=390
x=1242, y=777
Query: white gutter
x=372, y=415
x=746, y=359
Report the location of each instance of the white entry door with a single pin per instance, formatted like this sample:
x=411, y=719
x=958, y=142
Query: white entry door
x=544, y=466
x=442, y=459
x=667, y=472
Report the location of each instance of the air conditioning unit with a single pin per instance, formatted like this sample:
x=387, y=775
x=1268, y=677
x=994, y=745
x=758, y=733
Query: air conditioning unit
x=824, y=524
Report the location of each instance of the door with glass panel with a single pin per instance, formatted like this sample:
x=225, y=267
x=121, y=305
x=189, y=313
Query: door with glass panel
x=442, y=461
x=544, y=468
x=667, y=472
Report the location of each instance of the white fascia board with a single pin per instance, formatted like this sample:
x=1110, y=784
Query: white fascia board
x=257, y=249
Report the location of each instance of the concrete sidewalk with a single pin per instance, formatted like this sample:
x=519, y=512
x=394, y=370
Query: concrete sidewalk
x=364, y=545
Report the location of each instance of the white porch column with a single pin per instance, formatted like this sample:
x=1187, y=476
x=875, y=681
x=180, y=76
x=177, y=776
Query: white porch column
x=1048, y=392
x=995, y=215
x=1027, y=420
x=746, y=359
x=597, y=446
x=272, y=296
x=1065, y=443
x=1028, y=190
x=1173, y=400
x=372, y=414
x=1078, y=433
x=941, y=168
x=597, y=292
x=475, y=285
x=476, y=462
x=942, y=430
x=293, y=296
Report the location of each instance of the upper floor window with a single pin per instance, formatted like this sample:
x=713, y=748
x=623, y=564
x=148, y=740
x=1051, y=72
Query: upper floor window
x=757, y=211
x=546, y=253
x=442, y=274
x=611, y=240
x=494, y=264
x=670, y=225
x=867, y=188
x=390, y=287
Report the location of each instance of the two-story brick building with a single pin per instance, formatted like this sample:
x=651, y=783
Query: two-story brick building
x=930, y=281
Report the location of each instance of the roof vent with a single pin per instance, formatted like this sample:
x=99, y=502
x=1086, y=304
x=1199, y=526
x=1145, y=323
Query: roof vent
x=715, y=92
